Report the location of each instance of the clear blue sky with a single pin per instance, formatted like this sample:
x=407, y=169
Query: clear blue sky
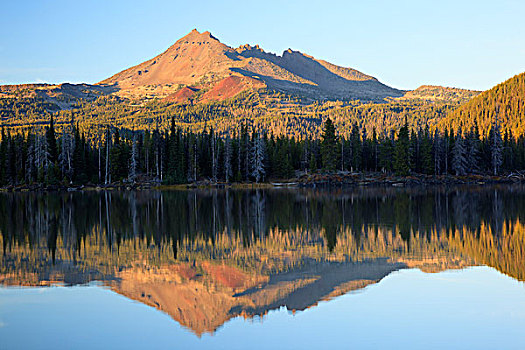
x=468, y=44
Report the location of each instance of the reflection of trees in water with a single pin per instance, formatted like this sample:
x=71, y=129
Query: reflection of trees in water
x=497, y=212
x=187, y=223
x=329, y=224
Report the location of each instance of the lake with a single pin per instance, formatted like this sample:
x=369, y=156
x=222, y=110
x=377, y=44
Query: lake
x=430, y=267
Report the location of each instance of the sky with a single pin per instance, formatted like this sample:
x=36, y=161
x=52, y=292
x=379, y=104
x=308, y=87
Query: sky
x=405, y=44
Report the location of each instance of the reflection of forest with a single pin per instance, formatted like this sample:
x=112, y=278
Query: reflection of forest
x=207, y=256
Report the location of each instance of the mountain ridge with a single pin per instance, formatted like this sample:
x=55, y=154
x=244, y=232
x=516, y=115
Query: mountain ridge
x=200, y=60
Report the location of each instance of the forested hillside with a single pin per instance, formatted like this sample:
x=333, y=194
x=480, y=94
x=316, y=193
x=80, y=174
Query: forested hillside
x=265, y=111
x=507, y=100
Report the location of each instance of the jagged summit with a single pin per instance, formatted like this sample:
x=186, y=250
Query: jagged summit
x=200, y=61
x=196, y=34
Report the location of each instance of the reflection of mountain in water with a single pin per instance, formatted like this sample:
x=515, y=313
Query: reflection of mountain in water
x=204, y=302
x=204, y=257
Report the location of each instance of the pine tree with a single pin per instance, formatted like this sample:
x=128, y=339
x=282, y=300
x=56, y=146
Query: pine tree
x=3, y=158
x=375, y=150
x=214, y=156
x=449, y=146
x=312, y=164
x=171, y=153
x=52, y=142
x=386, y=152
x=11, y=160
x=30, y=159
x=508, y=158
x=193, y=161
x=305, y=156
x=414, y=151
x=472, y=143
x=356, y=148
x=258, y=158
x=438, y=153
x=65, y=158
x=227, y=158
x=246, y=147
x=42, y=157
x=133, y=164
x=329, y=146
x=459, y=161
x=78, y=157
x=238, y=175
x=402, y=151
x=496, y=145
x=425, y=153
x=107, y=177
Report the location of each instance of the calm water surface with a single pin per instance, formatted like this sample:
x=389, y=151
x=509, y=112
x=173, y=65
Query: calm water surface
x=353, y=268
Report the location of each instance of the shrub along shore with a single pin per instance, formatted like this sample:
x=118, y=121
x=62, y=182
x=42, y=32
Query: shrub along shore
x=315, y=180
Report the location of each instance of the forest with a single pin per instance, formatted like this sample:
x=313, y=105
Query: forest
x=177, y=156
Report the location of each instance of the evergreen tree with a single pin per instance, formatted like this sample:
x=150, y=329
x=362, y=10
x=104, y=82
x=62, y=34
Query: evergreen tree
x=356, y=148
x=193, y=162
x=473, y=149
x=402, y=152
x=496, y=145
x=449, y=146
x=42, y=157
x=375, y=150
x=438, y=153
x=133, y=163
x=508, y=159
x=214, y=156
x=172, y=154
x=459, y=161
x=65, y=158
x=258, y=158
x=30, y=159
x=329, y=146
x=115, y=157
x=107, y=177
x=3, y=157
x=414, y=151
x=10, y=161
x=312, y=164
x=228, y=159
x=386, y=152
x=305, y=156
x=52, y=142
x=425, y=153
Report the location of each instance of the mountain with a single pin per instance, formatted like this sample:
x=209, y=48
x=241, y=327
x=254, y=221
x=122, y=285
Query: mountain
x=507, y=99
x=199, y=61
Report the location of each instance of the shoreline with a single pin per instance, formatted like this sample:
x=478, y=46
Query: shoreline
x=317, y=180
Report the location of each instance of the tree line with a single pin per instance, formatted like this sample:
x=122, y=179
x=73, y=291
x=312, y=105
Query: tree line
x=177, y=156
